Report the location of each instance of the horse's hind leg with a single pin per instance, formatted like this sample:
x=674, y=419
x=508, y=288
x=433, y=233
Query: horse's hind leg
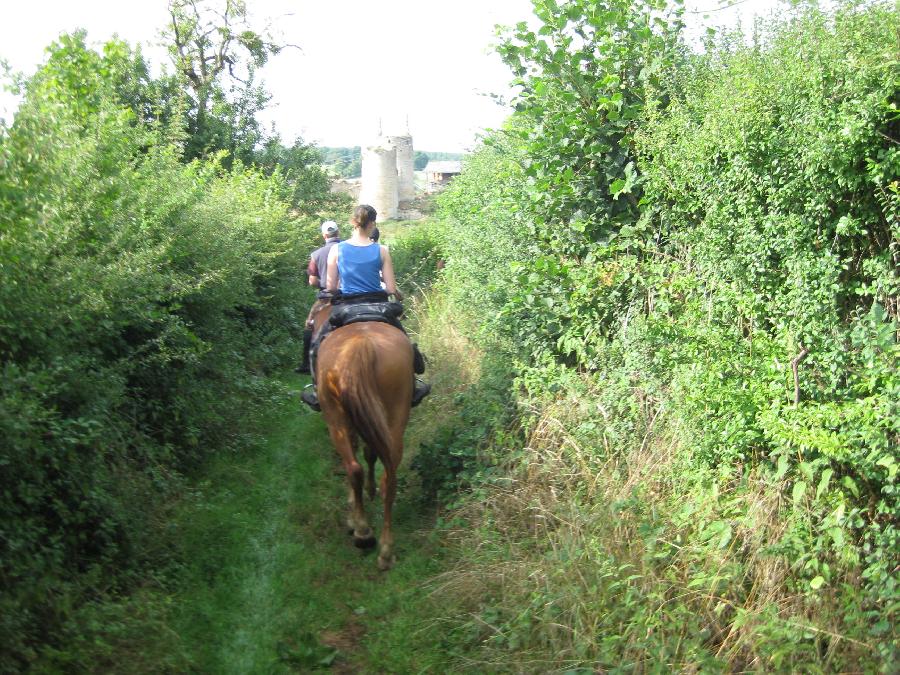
x=386, y=556
x=344, y=442
x=371, y=457
x=388, y=493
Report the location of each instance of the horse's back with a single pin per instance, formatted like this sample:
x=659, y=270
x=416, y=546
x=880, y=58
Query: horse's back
x=369, y=361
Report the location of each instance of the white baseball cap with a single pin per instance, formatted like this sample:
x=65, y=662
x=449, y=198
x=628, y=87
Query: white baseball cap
x=329, y=227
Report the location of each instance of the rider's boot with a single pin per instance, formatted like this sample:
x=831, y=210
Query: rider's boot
x=307, y=341
x=418, y=360
x=421, y=389
x=310, y=397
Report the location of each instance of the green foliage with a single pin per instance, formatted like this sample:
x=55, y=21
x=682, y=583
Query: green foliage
x=586, y=75
x=140, y=301
x=441, y=156
x=417, y=255
x=735, y=214
x=455, y=456
x=343, y=162
x=773, y=177
x=216, y=54
x=308, y=183
x=420, y=160
x=485, y=230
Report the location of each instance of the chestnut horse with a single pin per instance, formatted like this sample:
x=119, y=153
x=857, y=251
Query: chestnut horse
x=364, y=379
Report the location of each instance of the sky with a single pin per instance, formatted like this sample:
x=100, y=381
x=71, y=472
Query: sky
x=359, y=63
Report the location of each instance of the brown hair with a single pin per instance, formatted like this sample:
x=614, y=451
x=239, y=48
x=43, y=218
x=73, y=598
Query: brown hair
x=363, y=215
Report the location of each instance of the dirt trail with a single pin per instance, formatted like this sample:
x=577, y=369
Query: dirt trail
x=275, y=584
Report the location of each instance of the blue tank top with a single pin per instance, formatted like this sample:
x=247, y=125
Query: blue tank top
x=358, y=268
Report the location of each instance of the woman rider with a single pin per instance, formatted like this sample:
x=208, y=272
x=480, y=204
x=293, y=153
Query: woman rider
x=358, y=264
x=356, y=267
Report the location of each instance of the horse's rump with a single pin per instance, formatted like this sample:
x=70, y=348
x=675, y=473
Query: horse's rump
x=365, y=382
x=361, y=400
x=366, y=369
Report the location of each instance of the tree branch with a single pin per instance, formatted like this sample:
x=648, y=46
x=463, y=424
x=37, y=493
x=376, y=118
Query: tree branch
x=795, y=363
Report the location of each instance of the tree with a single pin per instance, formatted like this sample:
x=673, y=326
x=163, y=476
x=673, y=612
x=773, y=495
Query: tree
x=215, y=50
x=585, y=77
x=300, y=165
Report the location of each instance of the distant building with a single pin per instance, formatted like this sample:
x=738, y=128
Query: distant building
x=380, y=178
x=347, y=186
x=438, y=174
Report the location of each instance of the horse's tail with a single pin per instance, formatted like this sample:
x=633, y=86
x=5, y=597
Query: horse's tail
x=363, y=403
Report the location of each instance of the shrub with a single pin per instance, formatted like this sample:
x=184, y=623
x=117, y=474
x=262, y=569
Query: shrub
x=417, y=256
x=749, y=292
x=140, y=301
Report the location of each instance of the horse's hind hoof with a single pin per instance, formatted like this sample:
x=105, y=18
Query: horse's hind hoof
x=384, y=564
x=364, y=542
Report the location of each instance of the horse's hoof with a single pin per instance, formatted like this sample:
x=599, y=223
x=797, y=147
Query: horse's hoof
x=364, y=542
x=384, y=564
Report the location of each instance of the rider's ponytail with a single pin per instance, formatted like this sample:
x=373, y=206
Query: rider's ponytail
x=363, y=215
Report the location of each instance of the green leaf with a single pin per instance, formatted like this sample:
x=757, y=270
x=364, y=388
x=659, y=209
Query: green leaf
x=816, y=583
x=888, y=463
x=799, y=491
x=807, y=470
x=850, y=484
x=782, y=467
x=823, y=482
x=837, y=536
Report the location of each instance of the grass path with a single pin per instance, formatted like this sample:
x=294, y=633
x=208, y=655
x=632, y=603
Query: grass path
x=273, y=584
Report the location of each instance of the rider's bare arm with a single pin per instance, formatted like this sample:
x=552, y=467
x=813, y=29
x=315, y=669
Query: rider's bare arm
x=387, y=271
x=331, y=280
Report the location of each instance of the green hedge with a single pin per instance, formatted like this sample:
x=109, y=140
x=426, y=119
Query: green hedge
x=141, y=299
x=773, y=175
x=763, y=221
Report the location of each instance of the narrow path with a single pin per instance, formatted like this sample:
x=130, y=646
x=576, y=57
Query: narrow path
x=273, y=583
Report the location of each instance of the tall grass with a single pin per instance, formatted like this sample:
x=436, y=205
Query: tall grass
x=585, y=533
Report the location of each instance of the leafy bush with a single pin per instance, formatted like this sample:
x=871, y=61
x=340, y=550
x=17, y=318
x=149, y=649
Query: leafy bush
x=747, y=286
x=141, y=299
x=775, y=177
x=454, y=455
x=484, y=226
x=417, y=256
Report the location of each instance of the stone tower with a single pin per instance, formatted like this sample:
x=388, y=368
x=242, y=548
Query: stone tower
x=380, y=178
x=405, y=169
x=388, y=173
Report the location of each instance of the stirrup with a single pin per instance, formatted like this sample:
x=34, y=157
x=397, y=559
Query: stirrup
x=421, y=389
x=310, y=397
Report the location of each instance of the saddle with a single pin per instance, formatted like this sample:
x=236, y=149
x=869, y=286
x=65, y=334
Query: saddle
x=384, y=312
x=346, y=310
x=355, y=309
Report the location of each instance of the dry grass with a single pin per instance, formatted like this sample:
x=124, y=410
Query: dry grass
x=591, y=555
x=453, y=363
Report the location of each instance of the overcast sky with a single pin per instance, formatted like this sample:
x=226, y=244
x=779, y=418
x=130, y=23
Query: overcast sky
x=359, y=60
